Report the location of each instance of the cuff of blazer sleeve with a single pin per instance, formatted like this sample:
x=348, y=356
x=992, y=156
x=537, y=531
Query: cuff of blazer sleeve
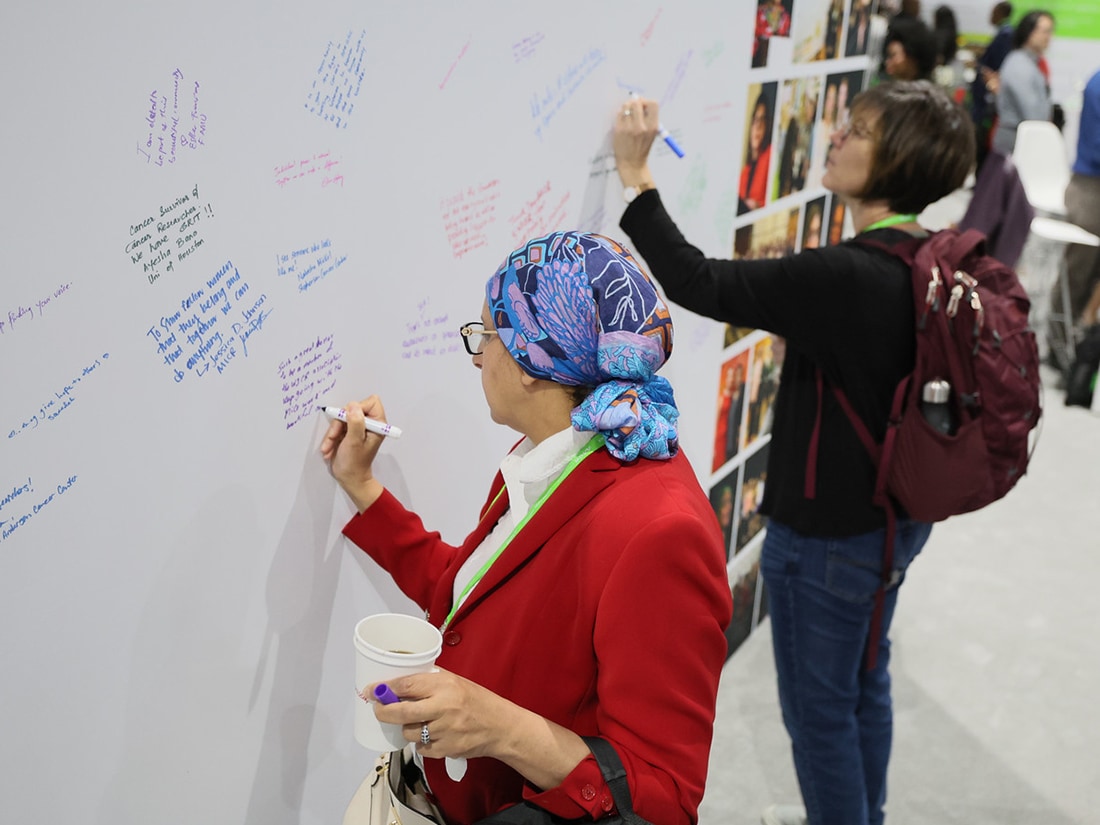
x=582, y=792
x=359, y=528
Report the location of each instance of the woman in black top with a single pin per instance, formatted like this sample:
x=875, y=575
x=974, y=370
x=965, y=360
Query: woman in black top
x=846, y=310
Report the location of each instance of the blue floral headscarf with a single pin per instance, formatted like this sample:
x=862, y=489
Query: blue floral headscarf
x=577, y=309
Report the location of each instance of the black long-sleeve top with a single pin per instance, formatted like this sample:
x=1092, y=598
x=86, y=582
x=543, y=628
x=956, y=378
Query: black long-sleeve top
x=847, y=309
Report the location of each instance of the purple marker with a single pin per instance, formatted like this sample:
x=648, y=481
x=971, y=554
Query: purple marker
x=384, y=695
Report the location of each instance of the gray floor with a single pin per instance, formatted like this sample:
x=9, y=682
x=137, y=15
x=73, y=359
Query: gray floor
x=996, y=663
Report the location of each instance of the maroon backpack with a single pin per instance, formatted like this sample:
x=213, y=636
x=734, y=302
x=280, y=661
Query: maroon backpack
x=971, y=319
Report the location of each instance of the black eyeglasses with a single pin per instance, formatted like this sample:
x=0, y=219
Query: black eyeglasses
x=475, y=336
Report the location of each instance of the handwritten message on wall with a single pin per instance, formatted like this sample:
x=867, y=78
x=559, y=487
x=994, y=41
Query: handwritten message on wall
x=339, y=78
x=309, y=265
x=308, y=376
x=543, y=213
x=320, y=169
x=210, y=327
x=172, y=121
x=63, y=397
x=546, y=104
x=23, y=501
x=468, y=214
x=430, y=334
x=527, y=47
x=23, y=313
x=169, y=235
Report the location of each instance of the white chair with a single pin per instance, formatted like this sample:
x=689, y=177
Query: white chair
x=1043, y=166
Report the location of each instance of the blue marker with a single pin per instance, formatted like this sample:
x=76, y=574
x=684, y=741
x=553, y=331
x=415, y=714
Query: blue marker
x=672, y=144
x=663, y=133
x=384, y=695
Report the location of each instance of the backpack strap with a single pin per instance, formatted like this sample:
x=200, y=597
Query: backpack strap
x=881, y=458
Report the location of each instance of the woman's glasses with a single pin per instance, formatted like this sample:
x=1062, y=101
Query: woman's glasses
x=475, y=336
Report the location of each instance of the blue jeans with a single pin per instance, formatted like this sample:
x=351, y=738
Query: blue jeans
x=821, y=594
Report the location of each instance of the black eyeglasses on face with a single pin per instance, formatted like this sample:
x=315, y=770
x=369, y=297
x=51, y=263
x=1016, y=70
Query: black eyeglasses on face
x=475, y=336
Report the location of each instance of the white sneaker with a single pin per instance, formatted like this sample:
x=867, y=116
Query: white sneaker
x=784, y=815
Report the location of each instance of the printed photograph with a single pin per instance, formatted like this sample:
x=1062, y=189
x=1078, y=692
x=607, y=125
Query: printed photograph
x=723, y=499
x=795, y=134
x=750, y=520
x=746, y=583
x=772, y=236
x=859, y=28
x=773, y=19
x=759, y=119
x=729, y=427
x=817, y=30
x=767, y=364
x=813, y=224
x=837, y=215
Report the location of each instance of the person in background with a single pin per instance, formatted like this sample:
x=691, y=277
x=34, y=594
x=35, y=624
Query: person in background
x=754, y=174
x=907, y=9
x=1083, y=209
x=594, y=533
x=949, y=69
x=910, y=52
x=1023, y=89
x=907, y=145
x=983, y=89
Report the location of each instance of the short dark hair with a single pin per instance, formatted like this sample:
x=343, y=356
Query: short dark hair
x=918, y=42
x=1001, y=11
x=924, y=144
x=1027, y=25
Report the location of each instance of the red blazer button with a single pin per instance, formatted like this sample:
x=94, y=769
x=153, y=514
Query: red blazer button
x=452, y=637
x=606, y=803
x=588, y=792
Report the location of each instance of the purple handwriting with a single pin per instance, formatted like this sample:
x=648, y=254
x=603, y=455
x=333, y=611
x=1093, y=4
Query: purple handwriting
x=211, y=326
x=546, y=104
x=63, y=398
x=311, y=264
x=525, y=48
x=339, y=79
x=308, y=376
x=10, y=525
x=430, y=334
x=169, y=128
x=320, y=167
x=677, y=78
x=25, y=313
x=169, y=236
x=467, y=216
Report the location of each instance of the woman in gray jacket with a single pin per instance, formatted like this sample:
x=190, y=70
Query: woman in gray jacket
x=1024, y=90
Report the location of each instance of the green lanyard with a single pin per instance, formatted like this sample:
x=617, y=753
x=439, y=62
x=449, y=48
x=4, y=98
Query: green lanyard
x=593, y=444
x=893, y=220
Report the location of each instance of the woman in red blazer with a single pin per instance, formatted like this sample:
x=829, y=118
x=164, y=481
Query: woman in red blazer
x=591, y=598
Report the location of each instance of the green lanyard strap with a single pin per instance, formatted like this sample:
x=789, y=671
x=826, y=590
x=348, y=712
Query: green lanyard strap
x=593, y=444
x=893, y=220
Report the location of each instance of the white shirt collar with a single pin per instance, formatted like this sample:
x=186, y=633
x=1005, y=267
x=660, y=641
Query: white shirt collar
x=529, y=469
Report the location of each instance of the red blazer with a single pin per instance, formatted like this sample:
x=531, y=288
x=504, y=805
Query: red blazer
x=606, y=615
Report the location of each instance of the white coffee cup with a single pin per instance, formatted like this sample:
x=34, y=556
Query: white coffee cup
x=388, y=645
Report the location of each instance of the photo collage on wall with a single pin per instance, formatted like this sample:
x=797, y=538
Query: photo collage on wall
x=809, y=59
